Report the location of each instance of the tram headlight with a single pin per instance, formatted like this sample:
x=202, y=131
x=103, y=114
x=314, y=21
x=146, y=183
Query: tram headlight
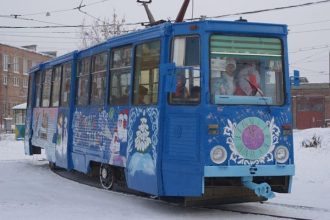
x=218, y=154
x=281, y=154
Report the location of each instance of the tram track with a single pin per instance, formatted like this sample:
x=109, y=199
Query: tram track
x=297, y=206
x=257, y=213
x=93, y=182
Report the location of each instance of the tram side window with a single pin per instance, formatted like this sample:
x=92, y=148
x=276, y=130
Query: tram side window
x=56, y=85
x=82, y=93
x=38, y=83
x=65, y=86
x=186, y=56
x=46, y=86
x=146, y=73
x=99, y=65
x=120, y=76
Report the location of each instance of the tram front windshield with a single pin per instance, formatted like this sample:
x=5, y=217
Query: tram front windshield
x=246, y=70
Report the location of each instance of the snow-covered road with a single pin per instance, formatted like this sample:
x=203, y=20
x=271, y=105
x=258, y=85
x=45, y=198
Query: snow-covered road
x=29, y=190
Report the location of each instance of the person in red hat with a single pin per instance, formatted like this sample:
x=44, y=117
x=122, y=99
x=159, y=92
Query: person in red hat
x=248, y=81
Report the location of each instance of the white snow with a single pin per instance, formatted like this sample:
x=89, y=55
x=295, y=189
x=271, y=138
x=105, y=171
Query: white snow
x=29, y=190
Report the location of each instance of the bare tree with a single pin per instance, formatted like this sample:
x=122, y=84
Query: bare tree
x=101, y=30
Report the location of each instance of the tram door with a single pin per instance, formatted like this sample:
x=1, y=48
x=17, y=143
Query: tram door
x=182, y=174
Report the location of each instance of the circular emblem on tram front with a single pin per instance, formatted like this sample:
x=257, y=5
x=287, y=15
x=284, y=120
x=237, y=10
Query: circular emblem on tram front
x=252, y=138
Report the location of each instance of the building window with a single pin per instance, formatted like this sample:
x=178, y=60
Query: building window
x=16, y=81
x=25, y=66
x=16, y=65
x=5, y=62
x=5, y=80
x=25, y=83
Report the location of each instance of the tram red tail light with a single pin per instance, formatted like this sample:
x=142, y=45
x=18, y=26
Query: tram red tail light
x=287, y=129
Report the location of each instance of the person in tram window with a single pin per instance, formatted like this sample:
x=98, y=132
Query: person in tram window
x=181, y=90
x=143, y=91
x=248, y=80
x=227, y=79
x=195, y=93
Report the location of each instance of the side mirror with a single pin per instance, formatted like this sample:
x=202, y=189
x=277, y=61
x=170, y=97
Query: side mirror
x=169, y=70
x=296, y=76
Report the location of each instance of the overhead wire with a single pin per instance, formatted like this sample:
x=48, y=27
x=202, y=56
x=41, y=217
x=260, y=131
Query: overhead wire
x=38, y=36
x=143, y=22
x=304, y=49
x=29, y=19
x=64, y=10
x=21, y=17
x=268, y=9
x=308, y=23
x=39, y=32
x=56, y=25
x=306, y=31
x=307, y=57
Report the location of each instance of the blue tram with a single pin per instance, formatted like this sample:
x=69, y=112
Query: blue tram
x=190, y=110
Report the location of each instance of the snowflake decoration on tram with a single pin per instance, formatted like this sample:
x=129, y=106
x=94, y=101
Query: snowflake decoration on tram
x=252, y=140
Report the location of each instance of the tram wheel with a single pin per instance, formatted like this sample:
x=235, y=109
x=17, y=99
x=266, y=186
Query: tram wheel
x=106, y=176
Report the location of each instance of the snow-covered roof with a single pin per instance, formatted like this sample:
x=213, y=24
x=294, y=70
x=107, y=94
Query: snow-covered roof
x=22, y=48
x=20, y=106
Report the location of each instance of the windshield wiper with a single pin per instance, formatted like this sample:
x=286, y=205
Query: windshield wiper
x=260, y=92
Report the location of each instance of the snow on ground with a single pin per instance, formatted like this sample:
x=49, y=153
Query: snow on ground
x=29, y=190
x=311, y=184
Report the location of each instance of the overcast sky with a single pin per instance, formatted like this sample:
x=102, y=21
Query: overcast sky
x=309, y=36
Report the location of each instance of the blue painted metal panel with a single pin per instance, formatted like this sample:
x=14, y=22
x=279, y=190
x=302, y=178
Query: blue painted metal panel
x=181, y=166
x=93, y=50
x=231, y=119
x=28, y=133
x=79, y=162
x=142, y=150
x=59, y=60
x=72, y=108
x=101, y=133
x=61, y=138
x=29, y=116
x=246, y=28
x=44, y=129
x=183, y=137
x=237, y=171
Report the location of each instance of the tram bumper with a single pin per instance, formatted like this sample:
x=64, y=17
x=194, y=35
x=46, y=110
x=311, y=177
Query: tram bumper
x=247, y=182
x=254, y=170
